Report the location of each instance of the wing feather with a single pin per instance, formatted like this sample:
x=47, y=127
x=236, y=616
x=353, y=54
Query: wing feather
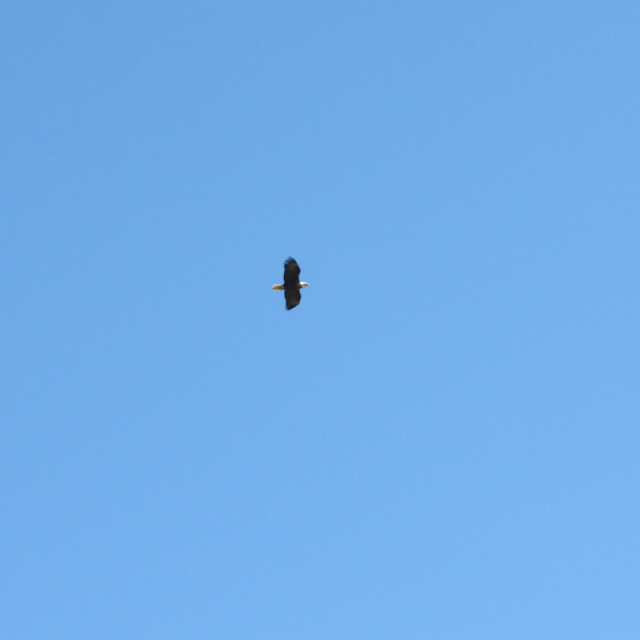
x=292, y=297
x=291, y=272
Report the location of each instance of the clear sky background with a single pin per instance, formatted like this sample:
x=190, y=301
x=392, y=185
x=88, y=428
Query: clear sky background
x=441, y=441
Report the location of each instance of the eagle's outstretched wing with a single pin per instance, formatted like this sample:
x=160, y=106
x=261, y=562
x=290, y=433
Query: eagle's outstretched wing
x=292, y=297
x=291, y=272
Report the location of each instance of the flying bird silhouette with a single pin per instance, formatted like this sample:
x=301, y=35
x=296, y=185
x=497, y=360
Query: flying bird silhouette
x=292, y=284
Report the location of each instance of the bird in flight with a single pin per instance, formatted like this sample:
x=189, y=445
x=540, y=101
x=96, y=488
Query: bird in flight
x=292, y=284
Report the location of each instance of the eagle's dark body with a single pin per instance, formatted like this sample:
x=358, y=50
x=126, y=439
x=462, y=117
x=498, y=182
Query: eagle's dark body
x=292, y=293
x=292, y=284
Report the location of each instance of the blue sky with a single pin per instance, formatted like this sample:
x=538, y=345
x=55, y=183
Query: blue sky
x=441, y=441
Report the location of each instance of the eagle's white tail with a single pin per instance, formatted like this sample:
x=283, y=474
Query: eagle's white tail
x=278, y=287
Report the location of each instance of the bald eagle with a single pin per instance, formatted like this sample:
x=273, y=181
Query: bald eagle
x=292, y=284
